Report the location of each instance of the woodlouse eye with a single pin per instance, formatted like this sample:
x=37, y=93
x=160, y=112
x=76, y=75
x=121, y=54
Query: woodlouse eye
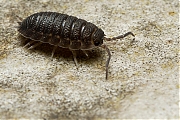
x=98, y=37
x=96, y=43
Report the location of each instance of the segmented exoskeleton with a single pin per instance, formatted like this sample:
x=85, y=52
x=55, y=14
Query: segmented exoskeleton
x=65, y=31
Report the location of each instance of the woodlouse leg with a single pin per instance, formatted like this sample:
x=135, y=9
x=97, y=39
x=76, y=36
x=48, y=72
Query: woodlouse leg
x=35, y=45
x=120, y=36
x=85, y=52
x=29, y=43
x=74, y=57
x=108, y=60
x=54, y=49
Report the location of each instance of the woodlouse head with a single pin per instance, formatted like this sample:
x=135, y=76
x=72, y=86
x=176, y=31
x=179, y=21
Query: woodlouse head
x=98, y=37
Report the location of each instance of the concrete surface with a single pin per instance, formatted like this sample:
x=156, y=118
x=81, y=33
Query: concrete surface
x=143, y=75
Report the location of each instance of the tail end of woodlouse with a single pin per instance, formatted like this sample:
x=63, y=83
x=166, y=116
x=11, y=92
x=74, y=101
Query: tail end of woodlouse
x=19, y=18
x=120, y=36
x=19, y=21
x=18, y=25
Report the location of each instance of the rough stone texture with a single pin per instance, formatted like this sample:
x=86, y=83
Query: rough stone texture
x=143, y=75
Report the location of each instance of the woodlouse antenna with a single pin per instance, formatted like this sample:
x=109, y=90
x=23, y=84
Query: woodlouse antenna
x=108, y=60
x=120, y=36
x=108, y=51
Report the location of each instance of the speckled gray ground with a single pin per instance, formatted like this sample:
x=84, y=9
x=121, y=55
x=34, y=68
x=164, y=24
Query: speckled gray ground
x=143, y=75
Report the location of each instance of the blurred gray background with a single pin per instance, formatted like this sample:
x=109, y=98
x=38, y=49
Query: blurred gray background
x=143, y=75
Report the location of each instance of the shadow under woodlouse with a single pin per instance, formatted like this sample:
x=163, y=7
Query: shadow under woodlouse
x=47, y=49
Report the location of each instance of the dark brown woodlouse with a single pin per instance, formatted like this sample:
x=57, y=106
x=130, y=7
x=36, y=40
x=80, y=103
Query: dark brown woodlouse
x=61, y=30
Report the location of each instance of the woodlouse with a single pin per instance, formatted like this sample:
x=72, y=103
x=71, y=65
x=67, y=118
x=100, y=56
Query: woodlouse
x=65, y=31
